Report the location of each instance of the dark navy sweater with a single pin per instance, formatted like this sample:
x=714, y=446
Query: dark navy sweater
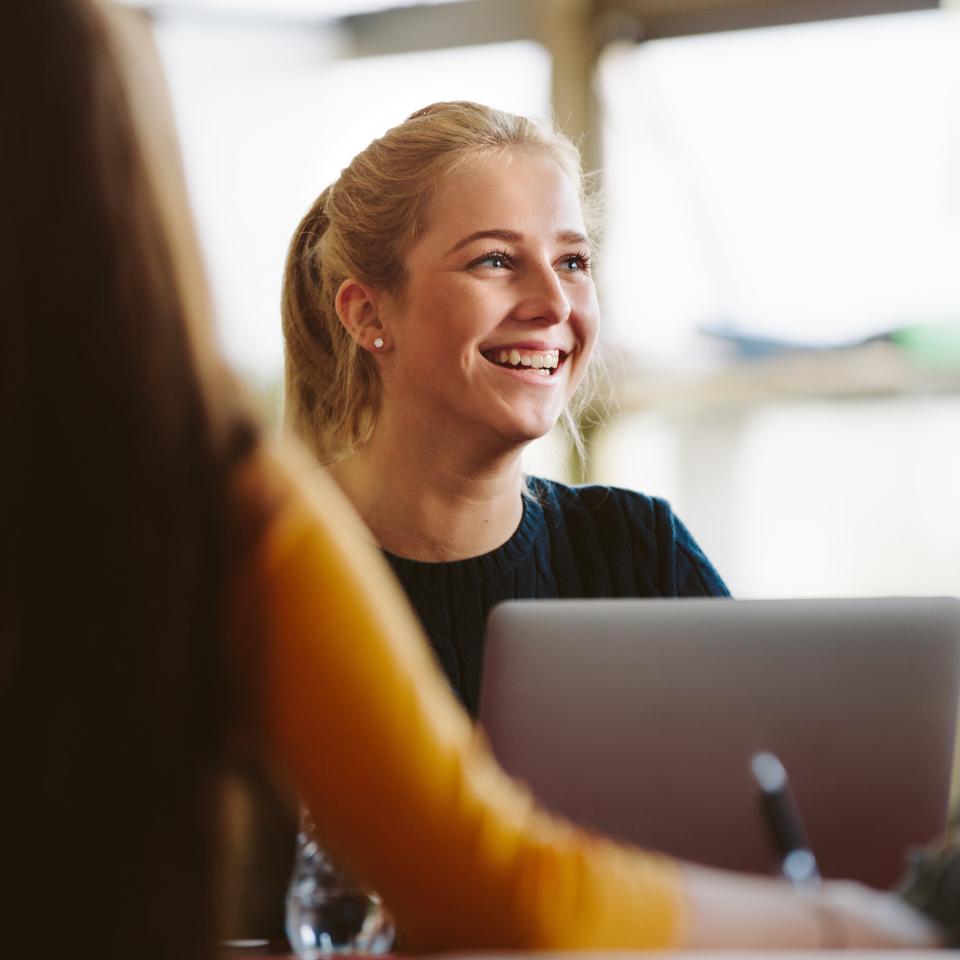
x=590, y=541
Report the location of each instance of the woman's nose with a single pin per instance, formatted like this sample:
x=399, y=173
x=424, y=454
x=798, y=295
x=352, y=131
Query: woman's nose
x=543, y=297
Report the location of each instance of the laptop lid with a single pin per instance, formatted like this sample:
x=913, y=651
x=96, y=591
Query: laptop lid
x=640, y=717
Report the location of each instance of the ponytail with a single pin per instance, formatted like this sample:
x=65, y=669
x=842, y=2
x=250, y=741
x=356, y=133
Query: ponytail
x=332, y=387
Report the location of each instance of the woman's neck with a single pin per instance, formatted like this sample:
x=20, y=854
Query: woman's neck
x=430, y=500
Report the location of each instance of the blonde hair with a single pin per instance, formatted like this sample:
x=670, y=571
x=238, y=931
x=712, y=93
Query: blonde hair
x=362, y=226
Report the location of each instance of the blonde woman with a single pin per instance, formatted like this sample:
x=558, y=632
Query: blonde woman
x=439, y=314
x=172, y=593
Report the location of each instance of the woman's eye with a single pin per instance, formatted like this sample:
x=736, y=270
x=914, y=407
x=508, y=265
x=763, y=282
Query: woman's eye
x=575, y=262
x=496, y=260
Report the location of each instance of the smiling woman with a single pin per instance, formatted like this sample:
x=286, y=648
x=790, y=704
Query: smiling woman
x=440, y=314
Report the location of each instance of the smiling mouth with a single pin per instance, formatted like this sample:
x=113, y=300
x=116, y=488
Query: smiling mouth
x=546, y=363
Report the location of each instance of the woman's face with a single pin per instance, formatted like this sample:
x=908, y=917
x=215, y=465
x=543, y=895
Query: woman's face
x=494, y=328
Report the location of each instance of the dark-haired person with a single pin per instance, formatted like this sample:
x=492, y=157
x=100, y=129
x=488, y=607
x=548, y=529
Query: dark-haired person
x=171, y=592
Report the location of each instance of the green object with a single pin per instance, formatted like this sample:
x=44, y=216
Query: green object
x=931, y=344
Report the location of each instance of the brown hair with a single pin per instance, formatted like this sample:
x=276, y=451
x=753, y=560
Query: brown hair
x=362, y=226
x=116, y=537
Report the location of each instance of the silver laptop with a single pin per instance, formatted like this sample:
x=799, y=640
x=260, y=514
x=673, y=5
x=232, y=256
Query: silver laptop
x=640, y=718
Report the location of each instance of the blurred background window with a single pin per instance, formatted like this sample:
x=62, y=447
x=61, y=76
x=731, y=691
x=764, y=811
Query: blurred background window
x=797, y=182
x=783, y=187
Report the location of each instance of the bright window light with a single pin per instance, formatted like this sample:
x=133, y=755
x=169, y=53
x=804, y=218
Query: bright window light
x=797, y=182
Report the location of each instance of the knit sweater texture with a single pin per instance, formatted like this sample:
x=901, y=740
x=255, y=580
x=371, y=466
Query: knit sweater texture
x=572, y=542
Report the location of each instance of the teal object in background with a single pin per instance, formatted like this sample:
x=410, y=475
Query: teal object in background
x=930, y=344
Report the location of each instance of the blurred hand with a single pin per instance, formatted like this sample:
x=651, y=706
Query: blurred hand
x=853, y=915
x=730, y=910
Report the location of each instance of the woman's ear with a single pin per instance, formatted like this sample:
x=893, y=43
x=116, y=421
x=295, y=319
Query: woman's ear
x=358, y=310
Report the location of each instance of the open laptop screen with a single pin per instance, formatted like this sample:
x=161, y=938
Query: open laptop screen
x=639, y=717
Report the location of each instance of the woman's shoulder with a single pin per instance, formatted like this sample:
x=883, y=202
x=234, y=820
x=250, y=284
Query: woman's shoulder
x=599, y=502
x=629, y=526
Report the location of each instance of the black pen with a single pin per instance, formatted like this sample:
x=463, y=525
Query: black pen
x=797, y=862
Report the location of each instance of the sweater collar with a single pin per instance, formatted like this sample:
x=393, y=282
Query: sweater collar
x=496, y=563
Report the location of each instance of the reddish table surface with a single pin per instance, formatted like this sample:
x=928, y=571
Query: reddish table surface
x=280, y=951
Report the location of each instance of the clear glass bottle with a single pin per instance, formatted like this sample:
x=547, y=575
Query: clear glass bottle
x=326, y=912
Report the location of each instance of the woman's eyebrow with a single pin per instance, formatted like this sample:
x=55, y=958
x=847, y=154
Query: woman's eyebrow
x=564, y=236
x=511, y=235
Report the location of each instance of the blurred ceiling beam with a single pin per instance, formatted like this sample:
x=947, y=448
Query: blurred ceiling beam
x=440, y=26
x=661, y=19
x=468, y=22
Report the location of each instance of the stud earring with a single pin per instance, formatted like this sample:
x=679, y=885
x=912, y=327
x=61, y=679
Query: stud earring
x=378, y=343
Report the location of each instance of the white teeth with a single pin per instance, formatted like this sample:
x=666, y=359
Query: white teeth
x=542, y=361
x=544, y=372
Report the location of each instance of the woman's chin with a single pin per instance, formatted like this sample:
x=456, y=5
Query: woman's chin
x=508, y=427
x=522, y=432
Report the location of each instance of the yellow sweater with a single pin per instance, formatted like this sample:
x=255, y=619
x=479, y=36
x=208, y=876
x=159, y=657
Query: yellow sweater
x=403, y=789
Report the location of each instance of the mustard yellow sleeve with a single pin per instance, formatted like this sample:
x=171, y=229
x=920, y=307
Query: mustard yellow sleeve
x=403, y=790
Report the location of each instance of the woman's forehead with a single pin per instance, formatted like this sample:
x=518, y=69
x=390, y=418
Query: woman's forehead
x=519, y=190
